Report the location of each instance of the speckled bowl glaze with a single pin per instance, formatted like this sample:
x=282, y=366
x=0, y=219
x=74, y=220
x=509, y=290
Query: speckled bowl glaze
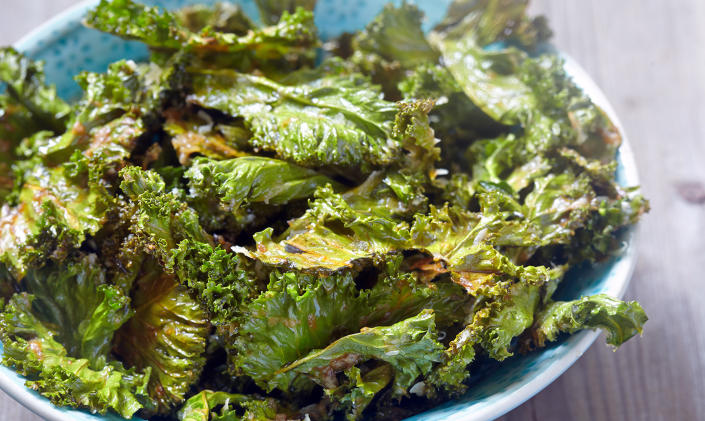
x=68, y=48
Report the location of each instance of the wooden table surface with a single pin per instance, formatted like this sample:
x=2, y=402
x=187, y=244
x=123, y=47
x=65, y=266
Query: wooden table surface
x=649, y=57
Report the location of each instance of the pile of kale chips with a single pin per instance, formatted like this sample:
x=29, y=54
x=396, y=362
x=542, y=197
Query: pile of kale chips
x=257, y=225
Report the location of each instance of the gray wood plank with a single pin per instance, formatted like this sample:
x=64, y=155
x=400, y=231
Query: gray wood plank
x=649, y=57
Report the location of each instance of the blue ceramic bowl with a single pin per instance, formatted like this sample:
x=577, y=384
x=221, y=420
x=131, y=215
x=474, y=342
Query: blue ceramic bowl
x=68, y=48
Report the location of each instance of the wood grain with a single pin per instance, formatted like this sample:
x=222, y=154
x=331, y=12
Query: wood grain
x=649, y=57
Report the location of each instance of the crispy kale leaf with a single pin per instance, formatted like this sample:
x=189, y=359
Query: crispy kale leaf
x=204, y=407
x=53, y=215
x=221, y=281
x=162, y=218
x=271, y=11
x=488, y=20
x=488, y=77
x=494, y=326
x=75, y=301
x=358, y=393
x=621, y=320
x=30, y=348
x=512, y=88
x=27, y=106
x=24, y=81
x=559, y=204
x=222, y=17
x=132, y=20
x=456, y=119
x=97, y=110
x=577, y=124
x=68, y=183
x=15, y=125
x=486, y=73
x=195, y=137
x=167, y=335
x=413, y=131
x=253, y=179
x=117, y=107
x=321, y=238
x=337, y=123
x=396, y=35
x=293, y=34
x=373, y=211
x=333, y=234
x=299, y=313
x=561, y=149
x=469, y=243
x=409, y=347
x=391, y=44
x=61, y=336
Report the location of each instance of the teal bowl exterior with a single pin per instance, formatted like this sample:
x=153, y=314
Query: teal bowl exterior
x=68, y=48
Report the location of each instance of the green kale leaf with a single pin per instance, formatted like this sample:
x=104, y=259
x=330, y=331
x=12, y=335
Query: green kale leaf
x=390, y=45
x=30, y=348
x=53, y=215
x=456, y=119
x=253, y=179
x=488, y=77
x=334, y=234
x=494, y=325
x=26, y=87
x=324, y=241
x=193, y=137
x=169, y=230
x=271, y=11
x=75, y=301
x=337, y=123
x=396, y=35
x=28, y=107
x=166, y=335
x=221, y=280
x=409, y=347
x=204, y=405
x=222, y=17
x=163, y=220
x=294, y=34
x=117, y=107
x=169, y=329
x=132, y=20
x=355, y=396
x=299, y=313
x=621, y=320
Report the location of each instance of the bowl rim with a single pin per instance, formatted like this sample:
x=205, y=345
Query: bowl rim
x=511, y=398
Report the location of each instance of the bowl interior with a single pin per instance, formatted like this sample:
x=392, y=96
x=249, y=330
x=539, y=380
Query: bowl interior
x=68, y=48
